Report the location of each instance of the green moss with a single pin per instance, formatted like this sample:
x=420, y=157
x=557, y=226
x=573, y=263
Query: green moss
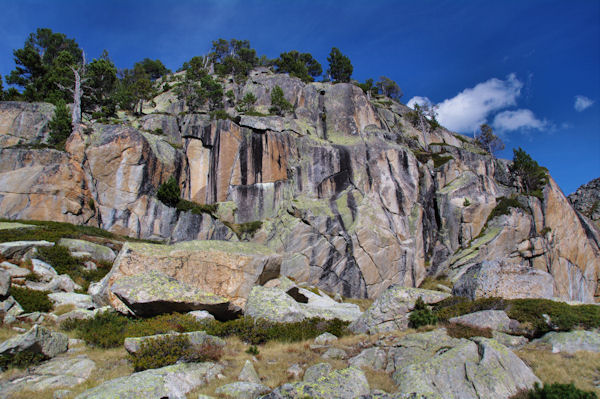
x=50, y=231
x=31, y=300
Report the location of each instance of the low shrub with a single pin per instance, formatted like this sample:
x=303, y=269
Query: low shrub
x=219, y=114
x=163, y=351
x=31, y=300
x=503, y=207
x=60, y=258
x=462, y=331
x=252, y=350
x=168, y=192
x=50, y=231
x=421, y=315
x=21, y=360
x=244, y=228
x=457, y=306
x=196, y=209
x=105, y=330
x=555, y=391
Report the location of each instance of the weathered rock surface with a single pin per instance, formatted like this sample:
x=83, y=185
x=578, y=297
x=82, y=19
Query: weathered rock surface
x=97, y=251
x=24, y=123
x=80, y=301
x=38, y=340
x=437, y=366
x=13, y=270
x=351, y=195
x=62, y=283
x=390, y=311
x=43, y=269
x=21, y=250
x=154, y=293
x=498, y=279
x=572, y=341
x=346, y=383
x=225, y=269
x=493, y=319
x=276, y=305
x=248, y=373
x=242, y=390
x=172, y=382
x=586, y=200
x=196, y=339
x=4, y=283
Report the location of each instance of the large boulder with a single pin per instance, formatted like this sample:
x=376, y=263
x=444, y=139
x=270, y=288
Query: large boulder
x=172, y=382
x=196, y=339
x=390, y=311
x=154, y=293
x=228, y=269
x=493, y=319
x=21, y=250
x=80, y=301
x=242, y=390
x=571, y=342
x=37, y=340
x=350, y=382
x=277, y=305
x=4, y=283
x=437, y=366
x=499, y=279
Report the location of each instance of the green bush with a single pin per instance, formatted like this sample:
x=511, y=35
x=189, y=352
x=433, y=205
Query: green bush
x=105, y=330
x=21, y=360
x=252, y=350
x=555, y=391
x=168, y=192
x=163, y=351
x=457, y=306
x=421, y=315
x=503, y=207
x=196, y=209
x=60, y=258
x=462, y=331
x=279, y=105
x=60, y=126
x=31, y=300
x=219, y=114
x=50, y=231
x=533, y=177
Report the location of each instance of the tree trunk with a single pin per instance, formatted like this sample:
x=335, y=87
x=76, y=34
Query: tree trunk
x=76, y=113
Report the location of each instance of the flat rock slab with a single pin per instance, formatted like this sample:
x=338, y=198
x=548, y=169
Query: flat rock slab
x=21, y=249
x=227, y=269
x=80, y=301
x=57, y=373
x=572, y=341
x=11, y=225
x=242, y=390
x=496, y=320
x=155, y=293
x=96, y=251
x=345, y=383
x=13, y=270
x=172, y=382
x=39, y=340
x=196, y=338
x=390, y=311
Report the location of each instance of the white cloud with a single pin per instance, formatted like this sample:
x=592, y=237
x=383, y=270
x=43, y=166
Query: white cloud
x=418, y=100
x=520, y=119
x=470, y=108
x=582, y=103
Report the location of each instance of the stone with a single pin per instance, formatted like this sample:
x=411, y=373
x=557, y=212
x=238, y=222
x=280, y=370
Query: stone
x=586, y=200
x=13, y=270
x=571, y=342
x=373, y=358
x=39, y=340
x=90, y=266
x=24, y=123
x=226, y=269
x=21, y=250
x=350, y=382
x=201, y=315
x=325, y=339
x=4, y=283
x=173, y=382
x=435, y=365
x=496, y=320
x=316, y=372
x=80, y=301
x=510, y=341
x=390, y=311
x=499, y=279
x=334, y=353
x=249, y=374
x=294, y=371
x=60, y=283
x=77, y=314
x=242, y=390
x=196, y=338
x=276, y=305
x=43, y=269
x=61, y=394
x=154, y=293
x=10, y=307
x=97, y=252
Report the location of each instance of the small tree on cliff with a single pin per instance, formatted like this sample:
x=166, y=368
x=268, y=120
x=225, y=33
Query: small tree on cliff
x=168, y=193
x=279, y=105
x=532, y=176
x=488, y=140
x=340, y=67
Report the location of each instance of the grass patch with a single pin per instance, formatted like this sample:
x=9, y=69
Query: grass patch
x=503, y=207
x=431, y=283
x=50, y=231
x=242, y=229
x=31, y=300
x=109, y=329
x=196, y=209
x=529, y=312
x=555, y=391
x=163, y=351
x=438, y=159
x=462, y=331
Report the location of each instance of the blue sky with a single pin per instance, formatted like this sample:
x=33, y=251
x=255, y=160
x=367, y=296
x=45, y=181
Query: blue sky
x=530, y=68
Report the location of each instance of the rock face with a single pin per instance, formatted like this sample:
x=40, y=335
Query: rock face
x=96, y=251
x=586, y=200
x=572, y=341
x=346, y=190
x=390, y=311
x=225, y=269
x=24, y=123
x=172, y=382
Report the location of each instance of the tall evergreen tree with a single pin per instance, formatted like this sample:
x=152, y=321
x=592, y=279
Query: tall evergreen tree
x=301, y=65
x=340, y=67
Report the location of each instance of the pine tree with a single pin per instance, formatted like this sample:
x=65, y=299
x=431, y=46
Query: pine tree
x=340, y=67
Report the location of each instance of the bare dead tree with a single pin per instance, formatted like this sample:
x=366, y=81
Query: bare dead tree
x=77, y=91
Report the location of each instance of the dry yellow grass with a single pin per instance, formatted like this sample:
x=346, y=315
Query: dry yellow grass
x=362, y=303
x=63, y=309
x=581, y=368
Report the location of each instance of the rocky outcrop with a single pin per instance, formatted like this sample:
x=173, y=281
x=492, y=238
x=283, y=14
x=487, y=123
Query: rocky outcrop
x=391, y=310
x=24, y=123
x=225, y=269
x=571, y=341
x=352, y=196
x=38, y=340
x=167, y=382
x=496, y=320
x=196, y=339
x=586, y=200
